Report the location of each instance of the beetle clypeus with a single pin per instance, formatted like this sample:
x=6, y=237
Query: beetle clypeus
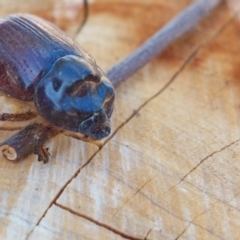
x=39, y=63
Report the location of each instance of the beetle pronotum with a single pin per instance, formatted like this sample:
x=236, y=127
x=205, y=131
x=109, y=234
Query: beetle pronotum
x=85, y=100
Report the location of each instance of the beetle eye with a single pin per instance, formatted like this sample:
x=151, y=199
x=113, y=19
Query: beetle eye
x=56, y=83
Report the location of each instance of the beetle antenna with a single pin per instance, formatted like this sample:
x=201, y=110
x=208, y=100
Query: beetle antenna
x=85, y=17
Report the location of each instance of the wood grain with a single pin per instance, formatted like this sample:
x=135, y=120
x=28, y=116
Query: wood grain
x=170, y=169
x=75, y=227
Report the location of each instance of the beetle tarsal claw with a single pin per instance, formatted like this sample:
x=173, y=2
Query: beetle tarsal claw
x=8, y=152
x=43, y=154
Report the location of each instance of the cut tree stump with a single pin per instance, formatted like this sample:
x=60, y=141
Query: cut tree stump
x=171, y=167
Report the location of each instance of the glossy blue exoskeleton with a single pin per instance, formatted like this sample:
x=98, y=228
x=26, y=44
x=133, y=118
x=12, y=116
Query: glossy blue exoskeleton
x=39, y=63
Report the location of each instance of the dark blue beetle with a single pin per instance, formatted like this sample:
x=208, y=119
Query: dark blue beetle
x=39, y=63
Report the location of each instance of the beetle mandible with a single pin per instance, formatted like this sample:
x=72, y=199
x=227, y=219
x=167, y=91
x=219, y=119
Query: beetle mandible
x=40, y=63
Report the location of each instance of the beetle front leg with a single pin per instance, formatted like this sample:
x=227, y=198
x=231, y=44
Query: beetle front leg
x=18, y=116
x=46, y=133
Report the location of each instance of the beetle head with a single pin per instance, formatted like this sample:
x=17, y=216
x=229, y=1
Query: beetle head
x=76, y=95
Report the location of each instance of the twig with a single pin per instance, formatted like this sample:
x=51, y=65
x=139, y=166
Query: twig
x=182, y=23
x=31, y=139
x=27, y=141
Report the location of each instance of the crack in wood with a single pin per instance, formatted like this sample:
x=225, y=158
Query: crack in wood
x=148, y=233
x=191, y=56
x=60, y=192
x=192, y=222
x=97, y=222
x=186, y=228
x=216, y=198
x=173, y=213
x=148, y=181
x=202, y=161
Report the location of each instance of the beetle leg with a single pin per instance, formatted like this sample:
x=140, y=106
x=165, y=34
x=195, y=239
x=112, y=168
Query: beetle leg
x=18, y=116
x=46, y=133
x=43, y=154
x=83, y=138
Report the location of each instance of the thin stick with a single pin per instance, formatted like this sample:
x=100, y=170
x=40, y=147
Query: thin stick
x=31, y=139
x=27, y=141
x=181, y=24
x=20, y=144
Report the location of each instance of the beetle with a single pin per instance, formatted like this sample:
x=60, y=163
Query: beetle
x=39, y=63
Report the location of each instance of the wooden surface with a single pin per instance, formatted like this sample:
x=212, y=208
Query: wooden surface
x=171, y=168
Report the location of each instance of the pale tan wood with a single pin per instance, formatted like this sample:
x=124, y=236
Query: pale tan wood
x=140, y=184
x=65, y=14
x=75, y=227
x=138, y=172
x=122, y=37
x=29, y=187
